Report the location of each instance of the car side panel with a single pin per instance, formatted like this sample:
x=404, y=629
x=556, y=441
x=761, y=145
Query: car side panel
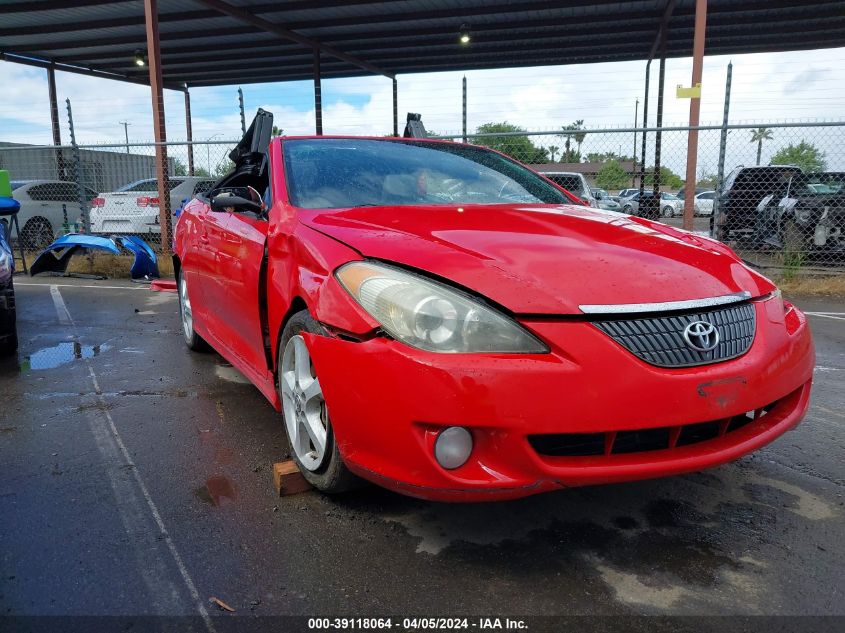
x=240, y=304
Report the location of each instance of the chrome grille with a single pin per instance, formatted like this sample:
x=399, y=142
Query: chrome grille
x=659, y=340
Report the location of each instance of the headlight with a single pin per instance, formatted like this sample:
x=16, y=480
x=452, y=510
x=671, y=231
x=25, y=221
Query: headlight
x=430, y=315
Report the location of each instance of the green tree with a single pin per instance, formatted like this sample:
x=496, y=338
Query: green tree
x=518, y=146
x=222, y=168
x=579, y=135
x=603, y=157
x=707, y=180
x=570, y=132
x=668, y=178
x=277, y=131
x=179, y=168
x=758, y=136
x=612, y=176
x=806, y=155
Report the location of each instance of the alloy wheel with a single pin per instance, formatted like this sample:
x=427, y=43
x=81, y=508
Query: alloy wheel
x=303, y=405
x=185, y=304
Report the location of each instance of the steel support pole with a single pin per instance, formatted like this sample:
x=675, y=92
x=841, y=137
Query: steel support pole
x=77, y=173
x=189, y=132
x=318, y=97
x=395, y=108
x=61, y=169
x=718, y=228
x=645, y=126
x=157, y=96
x=464, y=111
x=694, y=112
x=634, y=155
x=658, y=136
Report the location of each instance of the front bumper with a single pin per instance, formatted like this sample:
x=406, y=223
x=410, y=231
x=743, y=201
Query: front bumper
x=388, y=402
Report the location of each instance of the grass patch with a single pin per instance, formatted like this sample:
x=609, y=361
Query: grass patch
x=833, y=286
x=106, y=264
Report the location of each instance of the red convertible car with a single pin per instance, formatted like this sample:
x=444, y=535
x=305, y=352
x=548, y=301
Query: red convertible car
x=440, y=320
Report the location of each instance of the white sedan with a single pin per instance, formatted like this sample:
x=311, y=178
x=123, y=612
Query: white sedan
x=134, y=209
x=704, y=202
x=47, y=208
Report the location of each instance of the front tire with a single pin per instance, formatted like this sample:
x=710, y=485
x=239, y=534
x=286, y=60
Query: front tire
x=193, y=340
x=667, y=212
x=305, y=413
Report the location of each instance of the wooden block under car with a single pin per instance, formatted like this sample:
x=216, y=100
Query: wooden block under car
x=288, y=479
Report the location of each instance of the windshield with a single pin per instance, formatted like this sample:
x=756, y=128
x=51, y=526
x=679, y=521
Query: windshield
x=338, y=173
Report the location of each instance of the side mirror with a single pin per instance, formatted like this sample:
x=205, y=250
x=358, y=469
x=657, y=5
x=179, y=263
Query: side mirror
x=236, y=204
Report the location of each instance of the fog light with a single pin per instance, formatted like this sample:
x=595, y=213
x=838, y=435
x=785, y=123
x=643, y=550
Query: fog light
x=452, y=447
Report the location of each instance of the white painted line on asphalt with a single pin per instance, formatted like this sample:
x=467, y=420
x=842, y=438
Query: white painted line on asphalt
x=85, y=286
x=827, y=315
x=107, y=437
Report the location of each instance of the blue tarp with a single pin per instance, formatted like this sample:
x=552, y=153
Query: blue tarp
x=55, y=258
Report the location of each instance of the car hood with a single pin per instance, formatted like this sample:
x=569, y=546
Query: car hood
x=544, y=259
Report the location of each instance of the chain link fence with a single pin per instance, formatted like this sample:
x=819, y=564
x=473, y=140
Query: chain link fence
x=773, y=191
x=105, y=189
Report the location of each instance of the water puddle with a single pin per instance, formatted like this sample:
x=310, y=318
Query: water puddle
x=61, y=354
x=215, y=490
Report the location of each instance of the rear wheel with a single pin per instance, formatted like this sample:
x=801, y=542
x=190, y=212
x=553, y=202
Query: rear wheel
x=306, y=417
x=193, y=340
x=628, y=209
x=667, y=212
x=37, y=234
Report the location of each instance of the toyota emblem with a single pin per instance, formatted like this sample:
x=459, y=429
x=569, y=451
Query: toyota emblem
x=701, y=336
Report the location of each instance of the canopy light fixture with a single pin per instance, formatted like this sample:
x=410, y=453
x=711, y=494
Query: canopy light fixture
x=465, y=36
x=140, y=58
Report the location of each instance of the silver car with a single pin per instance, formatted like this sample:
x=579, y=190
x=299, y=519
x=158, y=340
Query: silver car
x=605, y=200
x=573, y=183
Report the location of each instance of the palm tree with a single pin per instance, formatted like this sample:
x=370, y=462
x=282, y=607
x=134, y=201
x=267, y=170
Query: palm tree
x=758, y=136
x=553, y=150
x=579, y=136
x=277, y=131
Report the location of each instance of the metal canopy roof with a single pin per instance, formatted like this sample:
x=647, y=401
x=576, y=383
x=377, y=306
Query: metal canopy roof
x=202, y=46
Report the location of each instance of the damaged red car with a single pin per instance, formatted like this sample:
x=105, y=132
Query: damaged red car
x=438, y=319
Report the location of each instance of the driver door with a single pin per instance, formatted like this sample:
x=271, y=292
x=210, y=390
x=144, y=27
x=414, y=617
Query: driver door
x=236, y=290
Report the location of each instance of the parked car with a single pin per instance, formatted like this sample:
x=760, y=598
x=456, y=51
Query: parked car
x=807, y=214
x=605, y=200
x=575, y=183
x=8, y=327
x=704, y=203
x=134, y=208
x=669, y=204
x=45, y=207
x=741, y=193
x=438, y=319
x=682, y=192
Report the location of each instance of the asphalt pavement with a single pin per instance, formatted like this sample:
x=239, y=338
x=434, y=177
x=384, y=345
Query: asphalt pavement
x=135, y=479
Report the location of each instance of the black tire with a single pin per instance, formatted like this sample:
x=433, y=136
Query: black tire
x=667, y=212
x=628, y=209
x=795, y=245
x=193, y=340
x=9, y=342
x=37, y=234
x=332, y=476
